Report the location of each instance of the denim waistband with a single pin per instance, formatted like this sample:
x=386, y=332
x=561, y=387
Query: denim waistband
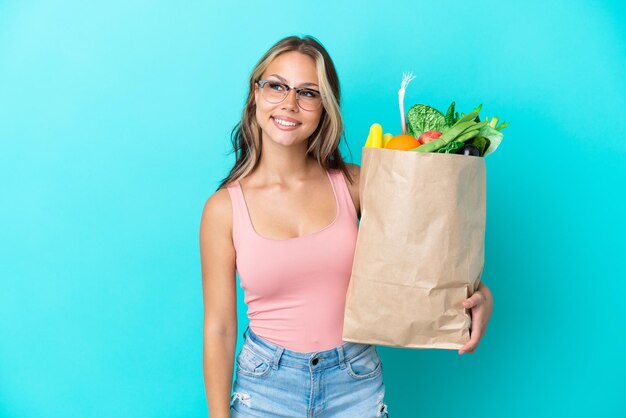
x=276, y=354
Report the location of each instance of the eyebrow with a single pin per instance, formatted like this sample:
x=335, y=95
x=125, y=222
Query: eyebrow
x=285, y=80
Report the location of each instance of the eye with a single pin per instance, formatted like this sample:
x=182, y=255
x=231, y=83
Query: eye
x=276, y=86
x=309, y=94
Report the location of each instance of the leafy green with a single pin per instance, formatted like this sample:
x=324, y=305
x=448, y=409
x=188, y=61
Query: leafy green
x=451, y=147
x=477, y=110
x=463, y=130
x=450, y=118
x=421, y=118
x=502, y=126
x=494, y=136
x=456, y=129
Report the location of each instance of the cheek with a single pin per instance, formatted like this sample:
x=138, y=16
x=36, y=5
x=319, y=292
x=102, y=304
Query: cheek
x=316, y=120
x=260, y=113
x=262, y=108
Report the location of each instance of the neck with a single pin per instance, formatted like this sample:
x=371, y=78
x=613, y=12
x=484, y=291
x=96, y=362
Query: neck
x=282, y=164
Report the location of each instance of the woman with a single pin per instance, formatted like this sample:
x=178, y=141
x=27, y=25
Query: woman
x=286, y=219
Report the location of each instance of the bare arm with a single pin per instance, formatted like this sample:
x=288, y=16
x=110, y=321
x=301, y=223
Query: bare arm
x=219, y=294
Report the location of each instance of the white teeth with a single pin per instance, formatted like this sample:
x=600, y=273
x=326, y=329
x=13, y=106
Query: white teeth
x=284, y=122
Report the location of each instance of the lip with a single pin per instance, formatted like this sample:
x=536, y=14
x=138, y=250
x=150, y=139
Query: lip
x=285, y=128
x=286, y=118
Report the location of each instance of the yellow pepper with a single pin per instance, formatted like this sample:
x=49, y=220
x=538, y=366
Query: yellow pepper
x=376, y=135
x=386, y=139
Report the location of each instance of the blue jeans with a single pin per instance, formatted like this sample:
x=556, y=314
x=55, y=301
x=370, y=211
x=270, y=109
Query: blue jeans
x=272, y=381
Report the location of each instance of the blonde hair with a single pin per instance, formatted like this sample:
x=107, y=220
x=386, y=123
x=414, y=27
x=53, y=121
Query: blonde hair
x=323, y=144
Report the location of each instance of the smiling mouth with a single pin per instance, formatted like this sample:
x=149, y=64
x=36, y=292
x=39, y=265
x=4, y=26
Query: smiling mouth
x=285, y=124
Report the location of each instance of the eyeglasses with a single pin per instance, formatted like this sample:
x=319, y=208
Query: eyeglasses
x=275, y=92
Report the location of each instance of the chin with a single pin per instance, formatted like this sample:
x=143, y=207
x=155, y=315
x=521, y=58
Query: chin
x=287, y=141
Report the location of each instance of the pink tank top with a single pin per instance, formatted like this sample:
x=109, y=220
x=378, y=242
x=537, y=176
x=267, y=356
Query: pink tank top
x=296, y=288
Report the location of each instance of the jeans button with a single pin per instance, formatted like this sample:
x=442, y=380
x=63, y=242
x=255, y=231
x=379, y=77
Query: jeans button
x=315, y=361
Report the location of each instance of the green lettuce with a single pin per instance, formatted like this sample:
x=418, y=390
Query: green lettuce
x=494, y=137
x=421, y=118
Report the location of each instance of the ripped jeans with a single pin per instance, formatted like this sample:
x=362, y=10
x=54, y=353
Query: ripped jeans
x=272, y=381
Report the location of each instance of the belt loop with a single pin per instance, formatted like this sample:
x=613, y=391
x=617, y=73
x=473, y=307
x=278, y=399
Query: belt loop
x=277, y=354
x=342, y=359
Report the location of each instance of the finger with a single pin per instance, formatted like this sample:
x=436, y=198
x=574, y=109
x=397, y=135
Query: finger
x=469, y=350
x=469, y=347
x=476, y=333
x=476, y=299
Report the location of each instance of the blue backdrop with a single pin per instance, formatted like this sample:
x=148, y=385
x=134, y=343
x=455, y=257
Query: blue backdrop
x=114, y=130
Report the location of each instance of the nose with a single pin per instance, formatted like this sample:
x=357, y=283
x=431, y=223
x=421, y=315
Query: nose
x=291, y=100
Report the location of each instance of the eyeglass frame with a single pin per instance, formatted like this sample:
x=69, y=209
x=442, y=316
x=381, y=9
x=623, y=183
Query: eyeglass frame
x=262, y=83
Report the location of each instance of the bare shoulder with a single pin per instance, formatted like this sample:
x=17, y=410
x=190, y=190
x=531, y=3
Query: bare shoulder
x=355, y=172
x=216, y=229
x=217, y=212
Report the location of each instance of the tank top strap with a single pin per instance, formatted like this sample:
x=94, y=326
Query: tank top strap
x=343, y=192
x=240, y=213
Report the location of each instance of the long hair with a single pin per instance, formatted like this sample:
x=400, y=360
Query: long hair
x=323, y=144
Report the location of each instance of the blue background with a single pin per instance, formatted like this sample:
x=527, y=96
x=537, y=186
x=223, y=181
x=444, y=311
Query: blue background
x=114, y=130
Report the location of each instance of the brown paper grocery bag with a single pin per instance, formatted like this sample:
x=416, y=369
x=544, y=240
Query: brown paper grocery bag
x=419, y=251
